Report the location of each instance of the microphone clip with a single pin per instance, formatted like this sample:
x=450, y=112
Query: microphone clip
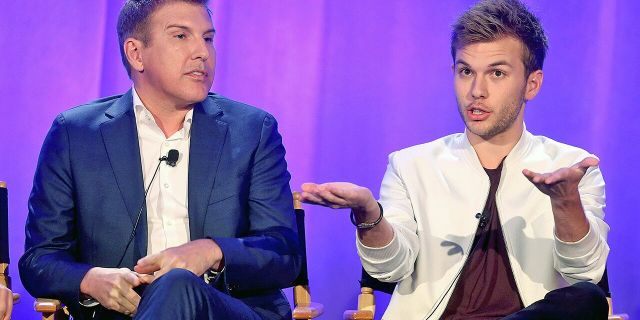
x=484, y=219
x=171, y=158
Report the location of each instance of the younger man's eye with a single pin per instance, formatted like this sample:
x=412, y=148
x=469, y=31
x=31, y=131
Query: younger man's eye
x=464, y=71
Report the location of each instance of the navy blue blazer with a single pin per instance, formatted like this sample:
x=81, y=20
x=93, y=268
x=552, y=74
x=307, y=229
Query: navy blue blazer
x=88, y=188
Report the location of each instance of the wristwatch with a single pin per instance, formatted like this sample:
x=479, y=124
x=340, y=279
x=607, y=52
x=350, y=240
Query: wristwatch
x=212, y=275
x=87, y=301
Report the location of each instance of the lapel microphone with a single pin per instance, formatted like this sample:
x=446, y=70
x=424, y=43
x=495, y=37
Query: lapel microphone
x=484, y=219
x=171, y=159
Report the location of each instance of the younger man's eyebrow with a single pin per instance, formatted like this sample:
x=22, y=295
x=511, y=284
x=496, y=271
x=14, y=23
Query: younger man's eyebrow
x=500, y=63
x=493, y=64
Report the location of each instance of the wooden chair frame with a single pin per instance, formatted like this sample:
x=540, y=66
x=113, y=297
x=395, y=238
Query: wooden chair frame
x=5, y=279
x=52, y=309
x=367, y=304
x=304, y=307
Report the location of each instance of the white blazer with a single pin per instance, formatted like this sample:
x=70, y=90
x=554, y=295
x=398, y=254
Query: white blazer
x=431, y=193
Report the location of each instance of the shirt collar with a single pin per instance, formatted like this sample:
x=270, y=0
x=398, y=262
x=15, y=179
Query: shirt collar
x=144, y=116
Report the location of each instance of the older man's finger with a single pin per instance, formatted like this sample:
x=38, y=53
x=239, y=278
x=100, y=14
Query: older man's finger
x=149, y=264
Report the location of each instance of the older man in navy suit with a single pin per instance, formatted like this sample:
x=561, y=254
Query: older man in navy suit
x=117, y=229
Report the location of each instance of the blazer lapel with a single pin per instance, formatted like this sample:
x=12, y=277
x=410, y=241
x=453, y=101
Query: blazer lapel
x=120, y=137
x=208, y=133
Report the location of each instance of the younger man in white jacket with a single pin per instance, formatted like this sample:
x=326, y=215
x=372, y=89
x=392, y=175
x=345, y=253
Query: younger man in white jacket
x=493, y=222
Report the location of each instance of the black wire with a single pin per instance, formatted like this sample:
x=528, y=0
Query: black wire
x=144, y=204
x=474, y=246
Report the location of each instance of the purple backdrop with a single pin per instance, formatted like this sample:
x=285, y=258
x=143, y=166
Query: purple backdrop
x=349, y=81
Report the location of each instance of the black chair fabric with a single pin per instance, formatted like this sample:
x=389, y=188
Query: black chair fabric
x=303, y=277
x=368, y=281
x=4, y=226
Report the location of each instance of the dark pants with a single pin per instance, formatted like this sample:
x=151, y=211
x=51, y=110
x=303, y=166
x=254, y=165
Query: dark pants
x=180, y=294
x=583, y=300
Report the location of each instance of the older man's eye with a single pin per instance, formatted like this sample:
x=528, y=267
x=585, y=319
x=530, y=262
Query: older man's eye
x=181, y=36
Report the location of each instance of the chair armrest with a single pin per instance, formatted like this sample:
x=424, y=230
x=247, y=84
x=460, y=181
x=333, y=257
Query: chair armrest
x=309, y=311
x=358, y=315
x=51, y=309
x=620, y=316
x=44, y=305
x=304, y=308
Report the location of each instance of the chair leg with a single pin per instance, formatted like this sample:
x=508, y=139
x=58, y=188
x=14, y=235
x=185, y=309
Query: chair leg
x=366, y=306
x=58, y=315
x=304, y=308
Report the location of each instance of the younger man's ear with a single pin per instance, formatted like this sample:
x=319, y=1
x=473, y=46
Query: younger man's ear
x=534, y=83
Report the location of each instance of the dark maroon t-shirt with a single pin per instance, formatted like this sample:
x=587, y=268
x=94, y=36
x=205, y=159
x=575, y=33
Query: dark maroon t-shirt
x=486, y=288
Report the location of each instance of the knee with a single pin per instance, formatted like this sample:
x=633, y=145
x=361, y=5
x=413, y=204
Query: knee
x=591, y=291
x=176, y=279
x=592, y=295
x=174, y=295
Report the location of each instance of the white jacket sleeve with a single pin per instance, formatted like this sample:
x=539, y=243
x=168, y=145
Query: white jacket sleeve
x=585, y=259
x=396, y=260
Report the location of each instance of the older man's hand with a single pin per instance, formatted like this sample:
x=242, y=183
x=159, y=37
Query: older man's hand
x=197, y=256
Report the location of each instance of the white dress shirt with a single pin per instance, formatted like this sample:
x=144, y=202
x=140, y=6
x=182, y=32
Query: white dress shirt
x=167, y=210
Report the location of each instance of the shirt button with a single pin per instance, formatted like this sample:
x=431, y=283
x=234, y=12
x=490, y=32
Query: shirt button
x=166, y=186
x=166, y=144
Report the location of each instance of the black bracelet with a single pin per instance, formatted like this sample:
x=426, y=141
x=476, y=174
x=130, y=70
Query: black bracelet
x=367, y=225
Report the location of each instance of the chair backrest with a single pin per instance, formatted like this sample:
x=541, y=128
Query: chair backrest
x=370, y=282
x=367, y=281
x=52, y=309
x=304, y=307
x=303, y=277
x=604, y=284
x=4, y=236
